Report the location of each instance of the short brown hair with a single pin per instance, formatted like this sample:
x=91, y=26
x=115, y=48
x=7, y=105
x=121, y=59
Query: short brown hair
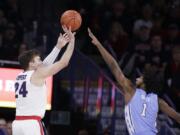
x=26, y=57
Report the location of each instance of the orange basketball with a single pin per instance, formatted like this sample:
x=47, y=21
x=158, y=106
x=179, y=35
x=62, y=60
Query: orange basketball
x=71, y=18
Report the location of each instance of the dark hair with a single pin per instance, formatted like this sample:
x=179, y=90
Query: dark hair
x=26, y=57
x=153, y=81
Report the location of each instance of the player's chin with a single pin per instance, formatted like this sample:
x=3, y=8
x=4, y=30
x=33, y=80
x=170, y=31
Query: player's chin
x=138, y=83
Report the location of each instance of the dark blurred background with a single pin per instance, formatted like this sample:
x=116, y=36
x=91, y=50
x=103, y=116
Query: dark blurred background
x=140, y=34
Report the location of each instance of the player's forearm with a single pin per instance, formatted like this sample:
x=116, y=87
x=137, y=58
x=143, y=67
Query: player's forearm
x=52, y=56
x=68, y=53
x=106, y=55
x=175, y=115
x=165, y=108
x=178, y=118
x=110, y=61
x=60, y=64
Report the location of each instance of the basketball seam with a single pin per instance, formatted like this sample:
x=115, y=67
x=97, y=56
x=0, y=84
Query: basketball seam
x=70, y=20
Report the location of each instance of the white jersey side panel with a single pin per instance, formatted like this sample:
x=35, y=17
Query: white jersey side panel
x=30, y=99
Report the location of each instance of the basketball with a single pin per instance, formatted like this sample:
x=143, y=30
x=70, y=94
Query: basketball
x=71, y=18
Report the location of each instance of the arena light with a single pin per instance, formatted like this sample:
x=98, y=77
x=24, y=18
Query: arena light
x=7, y=92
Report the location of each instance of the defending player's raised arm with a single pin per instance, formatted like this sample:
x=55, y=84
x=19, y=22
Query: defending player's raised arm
x=113, y=65
x=45, y=71
x=165, y=108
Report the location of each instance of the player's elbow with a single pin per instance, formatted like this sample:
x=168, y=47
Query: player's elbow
x=65, y=64
x=61, y=66
x=178, y=118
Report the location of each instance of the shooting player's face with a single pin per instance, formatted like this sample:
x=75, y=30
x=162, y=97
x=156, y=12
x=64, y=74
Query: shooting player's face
x=36, y=62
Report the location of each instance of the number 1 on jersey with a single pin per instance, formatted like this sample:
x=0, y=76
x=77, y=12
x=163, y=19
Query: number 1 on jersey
x=144, y=110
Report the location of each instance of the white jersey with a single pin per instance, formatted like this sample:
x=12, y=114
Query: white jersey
x=30, y=99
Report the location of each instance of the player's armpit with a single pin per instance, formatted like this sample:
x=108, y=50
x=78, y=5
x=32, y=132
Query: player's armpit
x=52, y=56
x=125, y=84
x=165, y=108
x=129, y=89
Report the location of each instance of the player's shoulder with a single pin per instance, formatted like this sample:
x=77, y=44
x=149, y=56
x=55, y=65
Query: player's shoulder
x=29, y=72
x=23, y=74
x=19, y=74
x=143, y=93
x=140, y=91
x=153, y=97
x=152, y=94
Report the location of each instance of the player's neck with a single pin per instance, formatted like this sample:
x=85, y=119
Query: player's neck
x=29, y=69
x=142, y=86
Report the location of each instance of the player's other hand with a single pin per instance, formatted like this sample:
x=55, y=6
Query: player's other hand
x=94, y=40
x=63, y=39
x=65, y=29
x=68, y=36
x=69, y=32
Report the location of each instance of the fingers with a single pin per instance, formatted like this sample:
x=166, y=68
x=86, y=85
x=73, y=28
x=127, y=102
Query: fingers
x=90, y=33
x=65, y=35
x=93, y=38
x=69, y=28
x=68, y=35
x=89, y=30
x=60, y=35
x=74, y=33
x=64, y=28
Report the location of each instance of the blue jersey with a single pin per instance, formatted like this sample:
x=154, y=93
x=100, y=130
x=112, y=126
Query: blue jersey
x=141, y=113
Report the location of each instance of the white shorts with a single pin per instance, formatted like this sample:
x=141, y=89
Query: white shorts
x=27, y=127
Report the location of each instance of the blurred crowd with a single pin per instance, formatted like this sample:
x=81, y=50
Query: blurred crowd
x=142, y=34
x=139, y=33
x=5, y=127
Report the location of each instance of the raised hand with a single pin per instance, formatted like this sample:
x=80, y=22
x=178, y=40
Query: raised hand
x=69, y=32
x=95, y=41
x=62, y=40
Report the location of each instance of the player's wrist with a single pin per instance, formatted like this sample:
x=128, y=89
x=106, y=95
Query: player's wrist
x=71, y=40
x=58, y=47
x=97, y=44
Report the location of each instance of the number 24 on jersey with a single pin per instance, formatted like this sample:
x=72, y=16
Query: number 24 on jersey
x=20, y=89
